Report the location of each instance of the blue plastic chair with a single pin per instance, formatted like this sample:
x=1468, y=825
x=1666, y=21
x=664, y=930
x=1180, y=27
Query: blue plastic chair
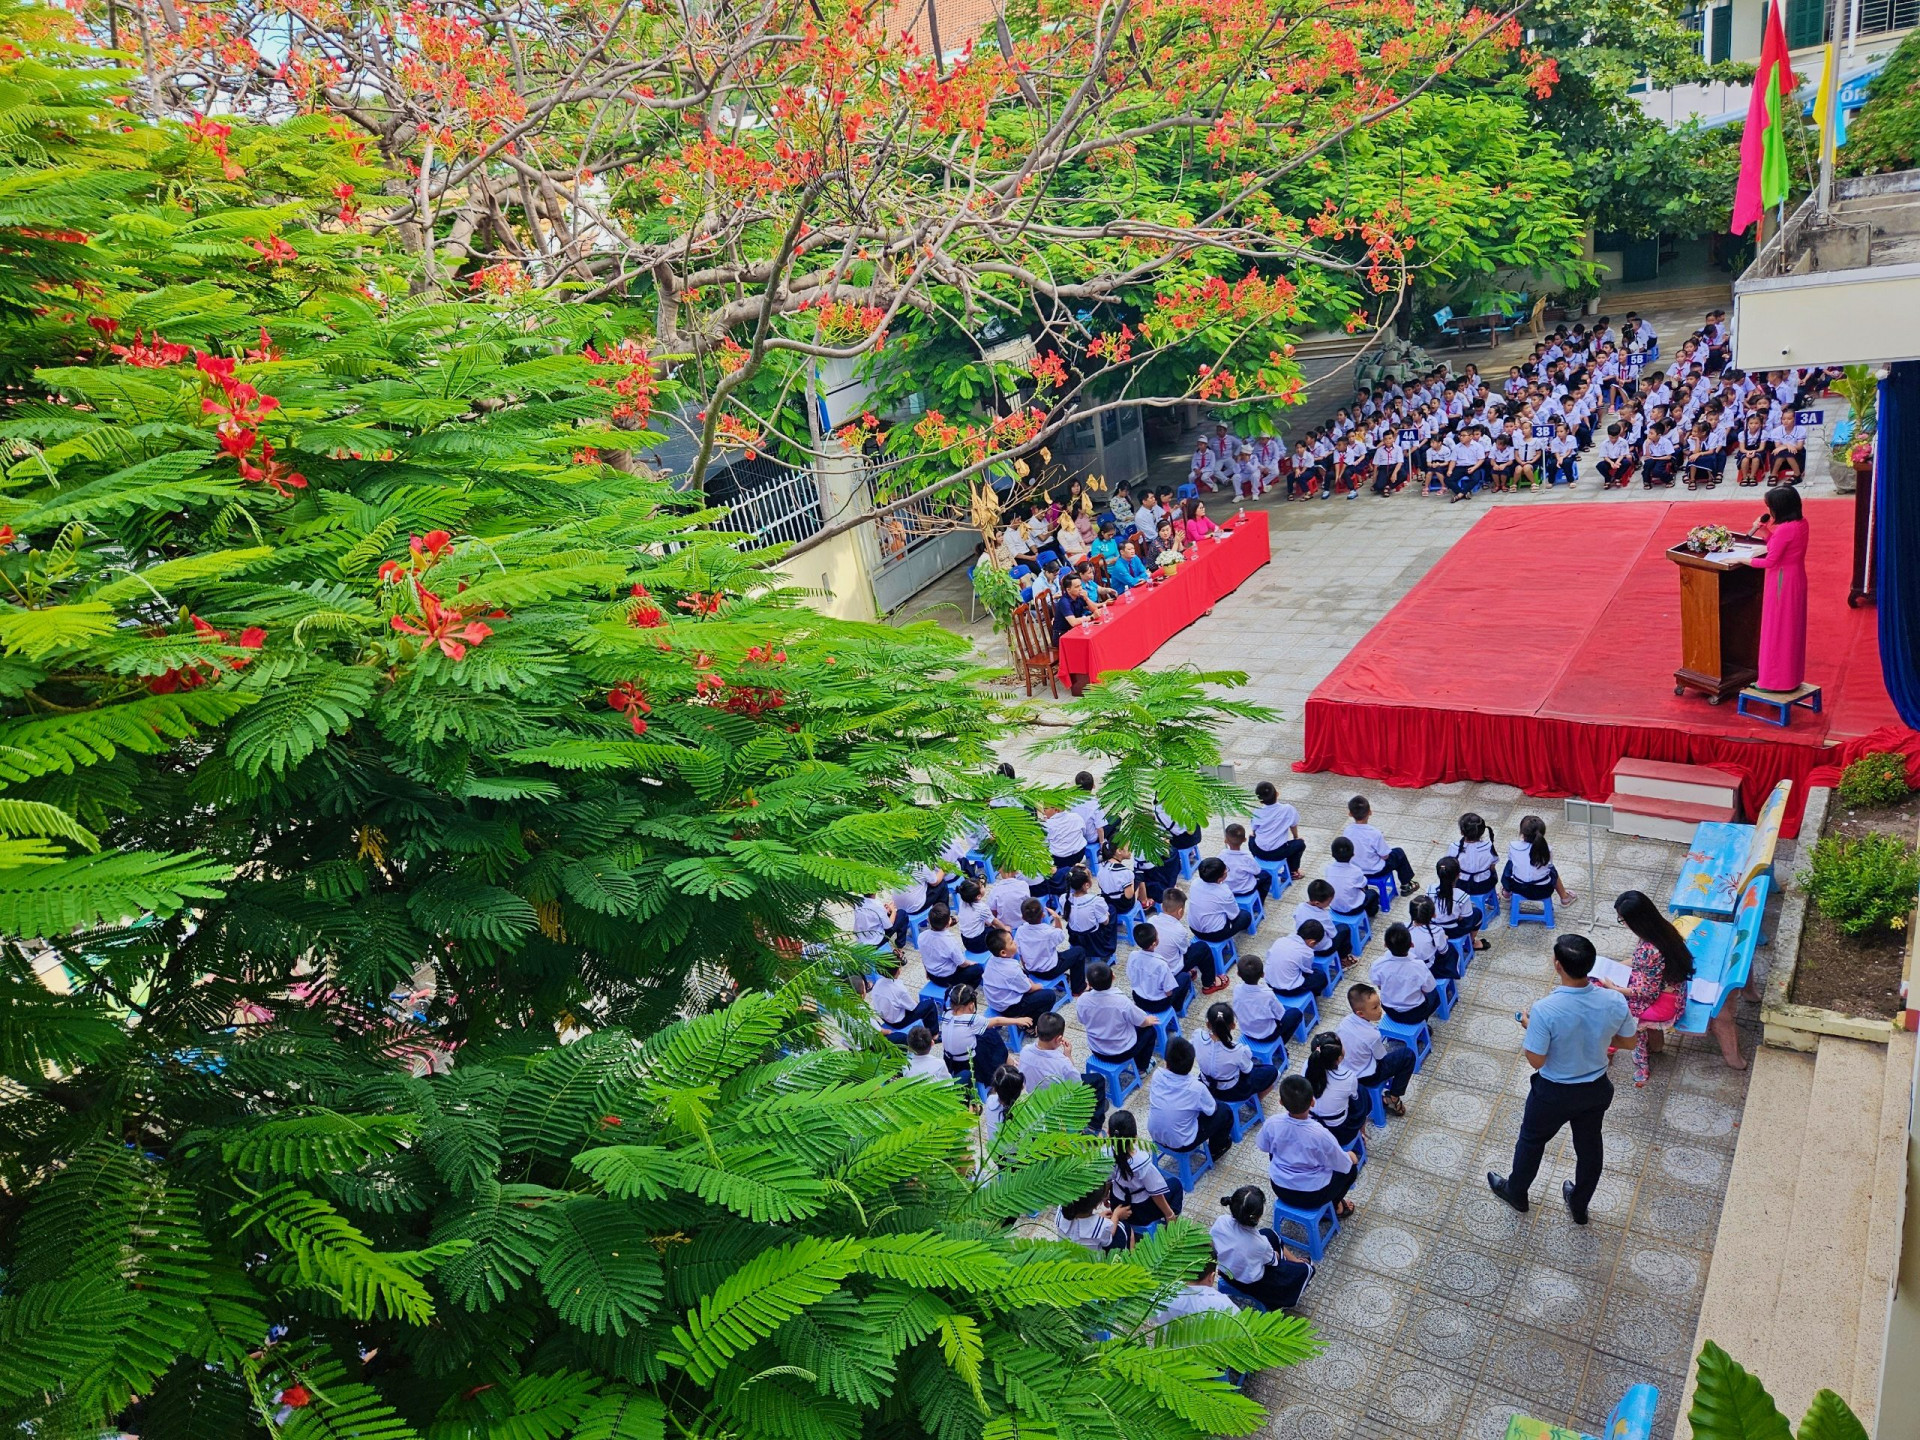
x=1270, y=1051
x=1045, y=555
x=1489, y=907
x=1247, y=1115
x=936, y=991
x=1386, y=887
x=1449, y=993
x=916, y=922
x=1011, y=1033
x=1245, y=1299
x=1282, y=877
x=1358, y=927
x=985, y=862
x=1417, y=1038
x=1519, y=915
x=1189, y=858
x=1329, y=966
x=1119, y=1078
x=1320, y=1226
x=1021, y=571
x=1376, y=1105
x=1169, y=1027
x=1224, y=954
x=1307, y=1005
x=1359, y=1149
x=1463, y=953
x=1188, y=491
x=1186, y=1166
x=1254, y=908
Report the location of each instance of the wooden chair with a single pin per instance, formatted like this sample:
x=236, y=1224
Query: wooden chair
x=1030, y=638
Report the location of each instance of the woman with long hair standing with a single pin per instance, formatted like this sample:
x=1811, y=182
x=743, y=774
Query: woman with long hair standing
x=1783, y=614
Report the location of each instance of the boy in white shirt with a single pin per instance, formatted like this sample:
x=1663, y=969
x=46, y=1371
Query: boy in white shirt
x=1351, y=893
x=1117, y=1028
x=1256, y=1008
x=1157, y=986
x=1378, y=1060
x=1290, y=968
x=1244, y=875
x=897, y=1006
x=1045, y=950
x=1616, y=459
x=1408, y=990
x=1370, y=849
x=921, y=1060
x=1318, y=907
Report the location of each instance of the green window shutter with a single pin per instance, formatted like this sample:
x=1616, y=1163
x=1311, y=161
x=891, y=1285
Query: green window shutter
x=1806, y=23
x=1719, y=34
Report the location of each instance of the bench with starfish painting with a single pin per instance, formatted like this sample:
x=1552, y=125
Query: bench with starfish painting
x=1723, y=860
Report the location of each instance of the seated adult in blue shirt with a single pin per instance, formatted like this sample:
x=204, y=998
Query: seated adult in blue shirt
x=1569, y=1035
x=1129, y=570
x=1071, y=609
x=1107, y=546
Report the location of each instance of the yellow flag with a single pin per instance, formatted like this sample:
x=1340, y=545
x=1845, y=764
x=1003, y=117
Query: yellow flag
x=1823, y=97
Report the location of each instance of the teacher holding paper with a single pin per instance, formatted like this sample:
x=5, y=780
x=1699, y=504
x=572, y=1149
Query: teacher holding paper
x=1569, y=1037
x=1783, y=615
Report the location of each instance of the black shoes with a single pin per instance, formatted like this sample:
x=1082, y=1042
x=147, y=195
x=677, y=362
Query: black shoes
x=1579, y=1212
x=1499, y=1187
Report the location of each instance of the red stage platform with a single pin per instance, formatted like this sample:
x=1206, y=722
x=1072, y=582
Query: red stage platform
x=1542, y=648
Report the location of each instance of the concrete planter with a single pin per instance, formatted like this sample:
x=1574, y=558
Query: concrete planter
x=1799, y=1027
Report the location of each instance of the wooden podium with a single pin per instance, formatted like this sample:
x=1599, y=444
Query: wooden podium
x=1719, y=623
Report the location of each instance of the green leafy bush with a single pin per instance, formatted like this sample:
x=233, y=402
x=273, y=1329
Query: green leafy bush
x=1876, y=779
x=1865, y=884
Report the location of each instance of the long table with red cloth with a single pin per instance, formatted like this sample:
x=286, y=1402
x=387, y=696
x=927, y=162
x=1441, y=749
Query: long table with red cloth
x=1147, y=616
x=1541, y=649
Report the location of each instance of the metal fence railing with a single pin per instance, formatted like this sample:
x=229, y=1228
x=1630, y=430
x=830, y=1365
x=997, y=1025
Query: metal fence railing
x=783, y=512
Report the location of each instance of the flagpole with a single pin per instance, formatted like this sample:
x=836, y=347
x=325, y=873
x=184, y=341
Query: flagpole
x=1828, y=105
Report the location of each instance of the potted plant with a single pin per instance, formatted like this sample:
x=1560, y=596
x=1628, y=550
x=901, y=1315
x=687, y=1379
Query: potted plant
x=1854, y=437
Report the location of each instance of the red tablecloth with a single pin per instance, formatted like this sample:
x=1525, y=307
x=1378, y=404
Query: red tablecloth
x=1148, y=616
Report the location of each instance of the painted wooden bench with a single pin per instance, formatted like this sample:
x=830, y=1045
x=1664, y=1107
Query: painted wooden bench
x=1631, y=1419
x=1723, y=953
x=1723, y=859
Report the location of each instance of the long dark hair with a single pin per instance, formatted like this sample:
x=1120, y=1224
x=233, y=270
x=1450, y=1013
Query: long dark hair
x=1448, y=869
x=1123, y=1130
x=1533, y=830
x=1643, y=918
x=1220, y=1022
x=1323, y=1058
x=1783, y=503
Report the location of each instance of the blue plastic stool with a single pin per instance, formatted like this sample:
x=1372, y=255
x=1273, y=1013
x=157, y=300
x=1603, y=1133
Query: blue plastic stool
x=1245, y=1299
x=1188, y=491
x=1358, y=927
x=1417, y=1038
x=1321, y=1226
x=1518, y=915
x=1254, y=908
x=1376, y=1106
x=1120, y=1078
x=1359, y=1149
x=1270, y=1051
x=1449, y=994
x=1489, y=907
x=1463, y=953
x=1168, y=1027
x=1386, y=887
x=1247, y=1115
x=985, y=862
x=1329, y=966
x=916, y=922
x=1224, y=954
x=1189, y=858
x=898, y=1037
x=1186, y=1166
x=1282, y=877
x=1011, y=1033
x=1308, y=1007
x=936, y=991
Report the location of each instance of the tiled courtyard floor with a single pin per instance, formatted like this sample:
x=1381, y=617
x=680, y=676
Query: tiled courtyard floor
x=1442, y=1312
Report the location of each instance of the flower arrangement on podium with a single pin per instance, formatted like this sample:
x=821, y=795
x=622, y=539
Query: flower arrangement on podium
x=1709, y=539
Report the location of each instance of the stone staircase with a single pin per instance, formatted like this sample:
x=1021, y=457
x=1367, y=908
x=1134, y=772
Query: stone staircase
x=1809, y=1236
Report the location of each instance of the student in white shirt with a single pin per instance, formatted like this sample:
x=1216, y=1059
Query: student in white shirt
x=1789, y=454
x=1045, y=950
x=1003, y=1092
x=1275, y=829
x=1008, y=897
x=922, y=1062
x=1117, y=1028
x=1251, y=1257
x=1150, y=1195
x=1563, y=466
x=1475, y=852
x=1089, y=921
x=877, y=923
x=1337, y=1101
x=1213, y=912
x=1049, y=1061
x=1093, y=1221
x=1370, y=849
x=942, y=955
x=1227, y=1066
x=1120, y=886
x=1007, y=987
x=1453, y=908
x=1257, y=1008
x=1389, y=465
x=1181, y=1112
x=1202, y=470
x=1306, y=1166
x=897, y=1006
x=1066, y=839
x=1089, y=809
x=974, y=917
x=1530, y=872
x=1408, y=991
x=1318, y=907
x=1157, y=987
x=1177, y=945
x=968, y=1042
x=1197, y=1297
x=1351, y=893
x=1432, y=945
x=1244, y=875
x=1502, y=463
x=1289, y=967
x=1379, y=1061
x=1616, y=459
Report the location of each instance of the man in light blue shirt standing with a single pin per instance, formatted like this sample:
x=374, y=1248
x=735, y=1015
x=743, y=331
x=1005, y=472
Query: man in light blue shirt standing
x=1568, y=1037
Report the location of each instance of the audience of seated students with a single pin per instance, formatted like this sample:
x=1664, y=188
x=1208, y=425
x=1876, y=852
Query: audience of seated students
x=1226, y=1066
x=1337, y=1101
x=1181, y=1112
x=1530, y=871
x=968, y=1044
x=1252, y=1257
x=1380, y=1060
x=1306, y=1166
x=1150, y=1195
x=1370, y=850
x=1407, y=988
x=1118, y=1028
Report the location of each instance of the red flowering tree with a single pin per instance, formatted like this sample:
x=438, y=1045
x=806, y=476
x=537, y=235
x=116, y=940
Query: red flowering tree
x=766, y=190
